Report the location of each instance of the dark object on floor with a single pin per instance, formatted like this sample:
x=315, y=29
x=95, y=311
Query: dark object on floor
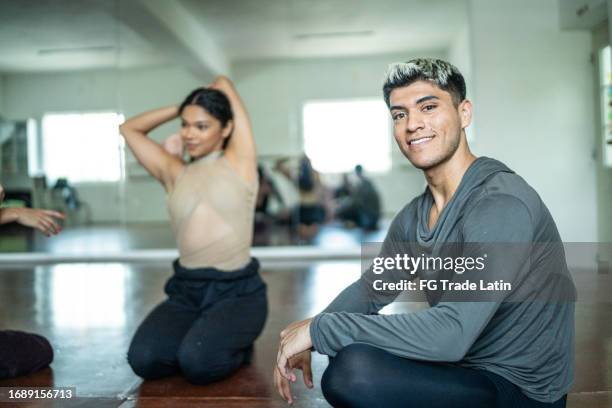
x=23, y=353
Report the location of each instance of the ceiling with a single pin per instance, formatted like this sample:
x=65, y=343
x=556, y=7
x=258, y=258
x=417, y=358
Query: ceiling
x=312, y=28
x=51, y=35
x=582, y=14
x=57, y=35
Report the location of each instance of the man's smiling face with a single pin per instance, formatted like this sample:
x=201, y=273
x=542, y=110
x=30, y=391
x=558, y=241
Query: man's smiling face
x=427, y=124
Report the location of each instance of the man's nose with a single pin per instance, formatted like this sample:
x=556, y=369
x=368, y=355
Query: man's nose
x=414, y=122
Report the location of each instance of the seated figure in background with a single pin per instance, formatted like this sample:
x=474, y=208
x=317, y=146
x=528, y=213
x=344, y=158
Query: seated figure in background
x=25, y=353
x=361, y=203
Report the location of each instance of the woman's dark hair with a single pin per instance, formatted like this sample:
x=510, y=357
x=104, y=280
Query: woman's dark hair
x=214, y=102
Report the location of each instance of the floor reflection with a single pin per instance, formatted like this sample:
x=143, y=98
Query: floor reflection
x=90, y=311
x=83, y=295
x=326, y=280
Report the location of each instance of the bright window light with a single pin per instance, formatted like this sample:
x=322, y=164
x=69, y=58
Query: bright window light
x=82, y=147
x=341, y=134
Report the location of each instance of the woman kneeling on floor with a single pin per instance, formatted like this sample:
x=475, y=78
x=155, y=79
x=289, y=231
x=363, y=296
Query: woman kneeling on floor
x=216, y=305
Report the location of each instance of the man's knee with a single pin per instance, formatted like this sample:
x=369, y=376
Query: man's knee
x=347, y=376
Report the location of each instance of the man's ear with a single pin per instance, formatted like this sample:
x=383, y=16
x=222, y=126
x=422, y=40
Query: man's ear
x=465, y=113
x=227, y=130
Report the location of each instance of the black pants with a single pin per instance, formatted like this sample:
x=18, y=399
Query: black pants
x=23, y=353
x=206, y=327
x=365, y=376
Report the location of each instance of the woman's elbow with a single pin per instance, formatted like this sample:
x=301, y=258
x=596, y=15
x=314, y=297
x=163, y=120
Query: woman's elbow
x=126, y=130
x=122, y=129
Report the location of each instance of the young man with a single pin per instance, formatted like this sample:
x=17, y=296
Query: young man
x=509, y=349
x=25, y=353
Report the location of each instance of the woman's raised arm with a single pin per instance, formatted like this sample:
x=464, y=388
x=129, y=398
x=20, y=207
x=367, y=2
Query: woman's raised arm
x=151, y=155
x=240, y=150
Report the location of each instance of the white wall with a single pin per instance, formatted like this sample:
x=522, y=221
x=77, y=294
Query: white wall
x=460, y=55
x=275, y=91
x=130, y=92
x=2, y=95
x=534, y=105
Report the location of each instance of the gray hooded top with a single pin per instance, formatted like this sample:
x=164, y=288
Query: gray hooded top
x=525, y=336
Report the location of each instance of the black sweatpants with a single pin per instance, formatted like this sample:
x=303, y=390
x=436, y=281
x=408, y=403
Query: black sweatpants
x=364, y=376
x=206, y=327
x=23, y=353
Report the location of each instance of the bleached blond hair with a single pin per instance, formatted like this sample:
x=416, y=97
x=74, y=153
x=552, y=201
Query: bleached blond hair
x=441, y=73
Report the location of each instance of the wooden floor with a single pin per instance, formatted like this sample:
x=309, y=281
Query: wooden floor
x=89, y=312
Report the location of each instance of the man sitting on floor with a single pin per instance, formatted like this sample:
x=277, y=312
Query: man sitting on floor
x=501, y=349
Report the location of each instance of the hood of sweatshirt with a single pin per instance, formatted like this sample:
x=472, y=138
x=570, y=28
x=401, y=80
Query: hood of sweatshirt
x=474, y=179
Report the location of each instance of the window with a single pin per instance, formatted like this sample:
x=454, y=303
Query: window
x=82, y=147
x=341, y=134
x=606, y=103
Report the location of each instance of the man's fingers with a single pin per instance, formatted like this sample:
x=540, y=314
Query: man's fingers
x=282, y=386
x=278, y=384
x=307, y=372
x=283, y=367
x=286, y=388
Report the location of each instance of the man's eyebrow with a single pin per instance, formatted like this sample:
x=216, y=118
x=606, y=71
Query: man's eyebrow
x=425, y=98
x=420, y=100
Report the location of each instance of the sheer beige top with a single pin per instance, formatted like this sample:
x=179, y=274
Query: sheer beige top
x=211, y=210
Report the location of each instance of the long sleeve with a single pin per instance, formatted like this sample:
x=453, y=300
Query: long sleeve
x=446, y=331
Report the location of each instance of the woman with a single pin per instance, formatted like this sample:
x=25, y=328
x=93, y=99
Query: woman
x=216, y=304
x=24, y=353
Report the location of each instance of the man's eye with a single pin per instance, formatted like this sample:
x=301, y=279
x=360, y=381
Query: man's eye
x=183, y=124
x=429, y=107
x=398, y=116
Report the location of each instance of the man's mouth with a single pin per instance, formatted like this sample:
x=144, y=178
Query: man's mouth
x=420, y=140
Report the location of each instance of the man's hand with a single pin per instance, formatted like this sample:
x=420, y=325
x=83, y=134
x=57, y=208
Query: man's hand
x=43, y=220
x=294, y=340
x=301, y=362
